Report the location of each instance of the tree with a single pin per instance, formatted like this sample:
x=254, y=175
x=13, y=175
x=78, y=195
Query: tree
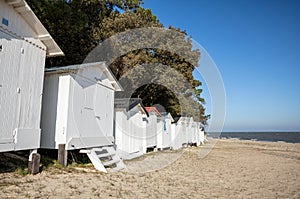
x=154, y=93
x=79, y=26
x=76, y=24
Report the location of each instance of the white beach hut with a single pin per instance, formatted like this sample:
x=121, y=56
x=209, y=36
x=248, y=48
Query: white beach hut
x=196, y=139
x=24, y=46
x=78, y=110
x=196, y=133
x=164, y=131
x=179, y=133
x=201, y=133
x=177, y=137
x=183, y=129
x=187, y=131
x=151, y=130
x=190, y=133
x=131, y=120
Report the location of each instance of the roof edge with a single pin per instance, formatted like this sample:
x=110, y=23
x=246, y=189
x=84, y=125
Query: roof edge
x=101, y=65
x=21, y=7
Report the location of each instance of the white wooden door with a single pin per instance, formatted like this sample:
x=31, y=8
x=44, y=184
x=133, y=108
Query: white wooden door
x=10, y=53
x=104, y=109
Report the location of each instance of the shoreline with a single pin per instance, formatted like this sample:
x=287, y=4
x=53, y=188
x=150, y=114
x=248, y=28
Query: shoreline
x=232, y=169
x=288, y=137
x=252, y=140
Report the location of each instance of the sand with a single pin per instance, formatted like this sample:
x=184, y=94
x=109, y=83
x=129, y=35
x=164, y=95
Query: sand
x=232, y=169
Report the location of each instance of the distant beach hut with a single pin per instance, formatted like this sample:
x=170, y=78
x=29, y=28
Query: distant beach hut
x=24, y=46
x=78, y=111
x=201, y=133
x=198, y=134
x=131, y=120
x=182, y=128
x=179, y=133
x=176, y=137
x=151, y=130
x=191, y=130
x=164, y=131
x=194, y=134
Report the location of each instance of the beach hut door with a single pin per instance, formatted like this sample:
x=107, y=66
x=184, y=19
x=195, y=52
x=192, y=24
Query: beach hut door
x=9, y=91
x=104, y=109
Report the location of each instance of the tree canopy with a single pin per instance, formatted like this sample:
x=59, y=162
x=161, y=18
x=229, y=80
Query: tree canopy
x=79, y=26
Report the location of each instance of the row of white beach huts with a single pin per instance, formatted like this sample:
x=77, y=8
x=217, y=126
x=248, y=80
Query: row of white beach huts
x=72, y=107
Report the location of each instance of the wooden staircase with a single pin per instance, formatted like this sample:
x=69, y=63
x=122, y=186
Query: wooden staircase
x=105, y=159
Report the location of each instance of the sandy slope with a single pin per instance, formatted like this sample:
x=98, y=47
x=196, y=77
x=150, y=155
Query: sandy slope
x=233, y=169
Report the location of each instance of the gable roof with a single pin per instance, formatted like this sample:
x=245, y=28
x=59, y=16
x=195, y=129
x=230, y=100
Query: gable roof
x=188, y=120
x=167, y=115
x=73, y=68
x=21, y=7
x=130, y=103
x=152, y=109
x=184, y=120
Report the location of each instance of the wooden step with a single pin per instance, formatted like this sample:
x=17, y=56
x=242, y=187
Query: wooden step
x=110, y=162
x=98, y=155
x=104, y=154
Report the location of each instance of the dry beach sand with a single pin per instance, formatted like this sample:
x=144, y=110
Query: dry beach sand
x=232, y=169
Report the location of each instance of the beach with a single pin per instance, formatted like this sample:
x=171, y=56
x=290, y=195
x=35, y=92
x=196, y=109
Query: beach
x=232, y=169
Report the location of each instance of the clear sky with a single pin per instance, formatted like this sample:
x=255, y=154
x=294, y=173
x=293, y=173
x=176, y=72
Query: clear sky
x=256, y=47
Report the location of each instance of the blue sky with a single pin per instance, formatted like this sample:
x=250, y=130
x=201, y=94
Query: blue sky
x=256, y=47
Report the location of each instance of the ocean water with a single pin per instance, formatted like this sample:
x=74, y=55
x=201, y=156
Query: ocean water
x=290, y=137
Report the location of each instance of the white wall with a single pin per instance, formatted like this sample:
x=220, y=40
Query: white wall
x=164, y=133
x=49, y=102
x=151, y=131
x=130, y=132
x=21, y=80
x=9, y=84
x=201, y=135
x=179, y=135
x=91, y=110
x=84, y=110
x=55, y=110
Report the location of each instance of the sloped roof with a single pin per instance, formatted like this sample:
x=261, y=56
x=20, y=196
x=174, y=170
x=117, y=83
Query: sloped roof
x=152, y=109
x=72, y=68
x=167, y=115
x=28, y=15
x=188, y=120
x=129, y=103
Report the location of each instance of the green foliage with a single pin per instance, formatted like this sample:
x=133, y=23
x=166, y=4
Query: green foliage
x=75, y=30
x=21, y=171
x=79, y=25
x=47, y=162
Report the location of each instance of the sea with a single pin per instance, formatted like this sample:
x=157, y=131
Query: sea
x=289, y=137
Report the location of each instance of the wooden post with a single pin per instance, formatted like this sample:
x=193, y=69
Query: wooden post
x=34, y=164
x=30, y=167
x=62, y=155
x=36, y=158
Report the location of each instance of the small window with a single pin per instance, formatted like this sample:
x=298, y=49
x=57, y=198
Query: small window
x=5, y=21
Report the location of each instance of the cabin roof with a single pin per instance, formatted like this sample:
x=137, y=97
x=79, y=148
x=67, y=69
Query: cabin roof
x=130, y=103
x=167, y=115
x=186, y=119
x=73, y=68
x=21, y=7
x=152, y=109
